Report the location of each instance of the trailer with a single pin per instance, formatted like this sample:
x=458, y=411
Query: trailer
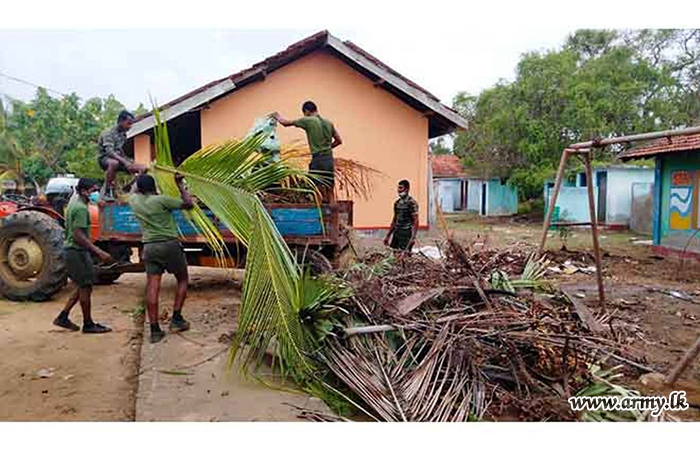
x=32, y=264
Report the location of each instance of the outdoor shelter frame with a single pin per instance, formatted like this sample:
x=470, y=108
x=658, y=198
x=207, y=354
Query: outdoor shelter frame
x=583, y=150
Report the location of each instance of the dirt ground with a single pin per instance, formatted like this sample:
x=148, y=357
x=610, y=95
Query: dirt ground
x=115, y=377
x=88, y=377
x=120, y=376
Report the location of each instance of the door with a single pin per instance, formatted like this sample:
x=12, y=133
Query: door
x=483, y=199
x=602, y=182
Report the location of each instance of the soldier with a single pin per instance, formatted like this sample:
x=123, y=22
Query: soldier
x=79, y=265
x=161, y=247
x=323, y=137
x=112, y=158
x=404, y=225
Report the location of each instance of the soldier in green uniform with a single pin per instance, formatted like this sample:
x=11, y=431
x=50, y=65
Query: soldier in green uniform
x=323, y=137
x=111, y=157
x=79, y=265
x=162, y=249
x=404, y=225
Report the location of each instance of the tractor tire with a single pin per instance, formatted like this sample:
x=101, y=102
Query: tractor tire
x=313, y=260
x=32, y=265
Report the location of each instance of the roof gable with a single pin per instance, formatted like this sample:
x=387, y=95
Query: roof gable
x=441, y=119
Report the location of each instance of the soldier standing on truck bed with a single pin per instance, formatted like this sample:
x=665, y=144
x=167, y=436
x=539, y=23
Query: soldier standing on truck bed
x=162, y=249
x=404, y=225
x=111, y=157
x=323, y=137
x=79, y=265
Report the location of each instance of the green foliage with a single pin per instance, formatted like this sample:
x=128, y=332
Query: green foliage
x=440, y=147
x=600, y=83
x=56, y=135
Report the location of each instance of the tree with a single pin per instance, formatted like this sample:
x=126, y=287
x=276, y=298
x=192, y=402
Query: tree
x=58, y=135
x=600, y=83
x=440, y=147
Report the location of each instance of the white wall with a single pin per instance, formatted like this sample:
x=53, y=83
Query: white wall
x=619, y=193
x=474, y=194
x=448, y=193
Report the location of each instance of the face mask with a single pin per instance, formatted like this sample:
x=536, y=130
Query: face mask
x=94, y=197
x=403, y=194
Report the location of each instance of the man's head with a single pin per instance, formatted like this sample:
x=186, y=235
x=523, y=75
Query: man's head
x=125, y=120
x=309, y=108
x=86, y=186
x=146, y=185
x=403, y=188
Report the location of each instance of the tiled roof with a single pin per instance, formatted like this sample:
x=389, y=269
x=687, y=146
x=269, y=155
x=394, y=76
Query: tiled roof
x=447, y=166
x=662, y=146
x=442, y=119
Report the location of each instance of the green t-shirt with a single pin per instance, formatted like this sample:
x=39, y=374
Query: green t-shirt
x=77, y=216
x=319, y=133
x=154, y=214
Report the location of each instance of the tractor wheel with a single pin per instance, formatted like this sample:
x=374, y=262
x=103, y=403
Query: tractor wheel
x=32, y=266
x=315, y=261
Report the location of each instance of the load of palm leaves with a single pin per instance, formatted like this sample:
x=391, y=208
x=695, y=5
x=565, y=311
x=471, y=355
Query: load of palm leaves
x=428, y=340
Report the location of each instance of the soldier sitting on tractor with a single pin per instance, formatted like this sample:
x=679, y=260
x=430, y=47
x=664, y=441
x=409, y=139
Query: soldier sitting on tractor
x=112, y=158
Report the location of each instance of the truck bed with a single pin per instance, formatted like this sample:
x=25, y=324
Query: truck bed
x=299, y=224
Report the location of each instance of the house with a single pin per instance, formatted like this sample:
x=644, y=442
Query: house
x=492, y=196
x=456, y=191
x=385, y=119
x=676, y=203
x=617, y=185
x=449, y=183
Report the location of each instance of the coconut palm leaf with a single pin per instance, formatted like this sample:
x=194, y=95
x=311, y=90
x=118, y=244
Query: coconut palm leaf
x=228, y=178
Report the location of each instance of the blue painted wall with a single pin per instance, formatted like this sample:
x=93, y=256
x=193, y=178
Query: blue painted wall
x=501, y=199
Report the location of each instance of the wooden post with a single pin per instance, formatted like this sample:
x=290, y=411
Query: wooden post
x=594, y=227
x=553, y=200
x=683, y=364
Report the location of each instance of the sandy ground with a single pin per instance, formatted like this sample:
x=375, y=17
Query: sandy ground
x=113, y=377
x=90, y=377
x=186, y=376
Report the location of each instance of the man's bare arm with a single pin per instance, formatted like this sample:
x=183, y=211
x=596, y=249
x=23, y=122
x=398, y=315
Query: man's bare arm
x=187, y=201
x=392, y=227
x=337, y=140
x=281, y=120
x=85, y=242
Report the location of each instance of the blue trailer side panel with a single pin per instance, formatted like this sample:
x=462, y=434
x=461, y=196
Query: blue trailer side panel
x=289, y=221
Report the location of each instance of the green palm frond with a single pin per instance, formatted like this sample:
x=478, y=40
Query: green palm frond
x=228, y=178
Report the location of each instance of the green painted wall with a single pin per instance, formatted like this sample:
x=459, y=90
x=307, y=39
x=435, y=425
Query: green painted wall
x=671, y=163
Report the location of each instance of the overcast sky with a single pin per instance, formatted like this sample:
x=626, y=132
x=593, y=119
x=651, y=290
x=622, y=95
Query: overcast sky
x=167, y=63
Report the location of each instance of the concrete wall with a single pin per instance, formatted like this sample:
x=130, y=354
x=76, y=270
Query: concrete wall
x=619, y=193
x=474, y=188
x=572, y=203
x=618, y=202
x=377, y=128
x=642, y=208
x=448, y=193
x=501, y=199
x=679, y=206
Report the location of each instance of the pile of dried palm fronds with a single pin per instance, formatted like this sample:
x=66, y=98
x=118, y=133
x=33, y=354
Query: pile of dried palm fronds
x=450, y=340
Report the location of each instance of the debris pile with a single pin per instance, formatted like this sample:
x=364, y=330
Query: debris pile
x=466, y=337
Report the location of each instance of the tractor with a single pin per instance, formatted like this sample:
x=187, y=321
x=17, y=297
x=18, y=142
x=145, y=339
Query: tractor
x=32, y=265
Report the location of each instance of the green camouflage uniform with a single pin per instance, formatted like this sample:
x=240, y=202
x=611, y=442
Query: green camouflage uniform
x=404, y=210
x=111, y=142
